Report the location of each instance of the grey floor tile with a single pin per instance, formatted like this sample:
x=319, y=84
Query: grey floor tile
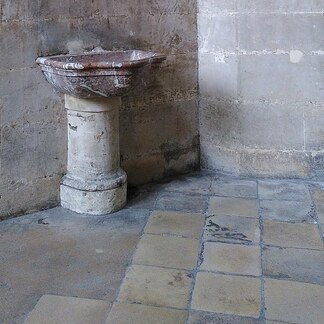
x=294, y=264
x=234, y=188
x=282, y=190
x=182, y=202
x=284, y=210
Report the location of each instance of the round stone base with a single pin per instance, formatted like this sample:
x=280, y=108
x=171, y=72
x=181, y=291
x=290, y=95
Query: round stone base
x=94, y=202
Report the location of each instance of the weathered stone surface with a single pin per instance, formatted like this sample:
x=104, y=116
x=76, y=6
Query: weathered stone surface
x=59, y=252
x=233, y=207
x=319, y=203
x=231, y=258
x=279, y=190
x=227, y=294
x=292, y=235
x=294, y=302
x=68, y=310
x=294, y=264
x=200, y=317
x=231, y=229
x=175, y=223
x=141, y=314
x=284, y=210
x=182, y=202
x=167, y=251
x=156, y=287
x=235, y=188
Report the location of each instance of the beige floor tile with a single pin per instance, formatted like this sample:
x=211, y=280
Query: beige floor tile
x=294, y=302
x=227, y=294
x=141, y=314
x=232, y=229
x=233, y=206
x=156, y=287
x=292, y=235
x=233, y=258
x=183, y=224
x=167, y=251
x=68, y=310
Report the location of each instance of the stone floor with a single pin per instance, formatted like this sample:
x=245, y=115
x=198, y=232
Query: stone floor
x=202, y=248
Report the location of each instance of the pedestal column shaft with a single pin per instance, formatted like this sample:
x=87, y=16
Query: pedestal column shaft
x=94, y=183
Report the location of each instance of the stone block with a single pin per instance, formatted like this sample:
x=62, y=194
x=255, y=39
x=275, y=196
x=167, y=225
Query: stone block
x=294, y=302
x=285, y=210
x=235, y=188
x=218, y=76
x=294, y=264
x=233, y=207
x=156, y=287
x=182, y=202
x=292, y=235
x=201, y=317
x=319, y=203
x=68, y=310
x=217, y=6
x=313, y=126
x=276, y=78
x=231, y=258
x=141, y=314
x=279, y=6
x=217, y=33
x=167, y=251
x=280, y=190
x=227, y=294
x=231, y=229
x=174, y=223
x=271, y=126
x=272, y=32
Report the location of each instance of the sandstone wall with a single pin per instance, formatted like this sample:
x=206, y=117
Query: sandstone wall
x=262, y=86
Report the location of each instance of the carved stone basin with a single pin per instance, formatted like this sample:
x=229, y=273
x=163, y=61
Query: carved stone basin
x=96, y=74
x=93, y=83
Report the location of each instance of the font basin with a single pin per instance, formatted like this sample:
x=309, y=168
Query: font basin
x=97, y=73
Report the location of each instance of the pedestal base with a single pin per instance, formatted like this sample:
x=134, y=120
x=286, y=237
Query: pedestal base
x=93, y=202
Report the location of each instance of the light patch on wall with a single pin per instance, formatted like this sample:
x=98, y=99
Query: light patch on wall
x=295, y=56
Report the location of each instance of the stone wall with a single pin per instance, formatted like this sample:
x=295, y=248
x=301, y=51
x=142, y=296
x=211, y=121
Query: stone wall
x=159, y=125
x=262, y=86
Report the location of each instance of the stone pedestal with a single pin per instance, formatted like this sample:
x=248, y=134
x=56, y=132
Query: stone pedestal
x=94, y=183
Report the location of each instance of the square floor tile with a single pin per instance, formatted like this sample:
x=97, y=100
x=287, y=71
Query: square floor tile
x=175, y=223
x=156, y=287
x=141, y=314
x=201, y=317
x=292, y=235
x=234, y=188
x=232, y=258
x=280, y=190
x=233, y=206
x=319, y=203
x=284, y=210
x=226, y=294
x=181, y=202
x=167, y=251
x=231, y=229
x=68, y=310
x=199, y=184
x=294, y=302
x=296, y=264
